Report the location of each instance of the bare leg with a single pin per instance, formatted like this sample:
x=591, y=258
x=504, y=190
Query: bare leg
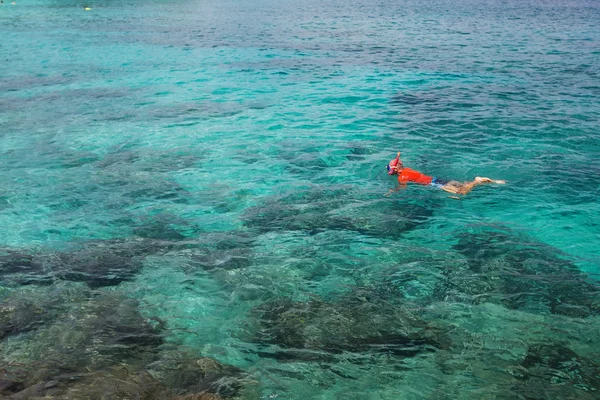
x=465, y=187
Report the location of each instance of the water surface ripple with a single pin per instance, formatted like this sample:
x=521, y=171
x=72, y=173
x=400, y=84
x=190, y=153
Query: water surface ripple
x=193, y=199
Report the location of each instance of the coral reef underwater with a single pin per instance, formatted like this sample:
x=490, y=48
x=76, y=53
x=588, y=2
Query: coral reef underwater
x=498, y=311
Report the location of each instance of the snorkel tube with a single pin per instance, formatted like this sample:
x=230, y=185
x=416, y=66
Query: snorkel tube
x=395, y=163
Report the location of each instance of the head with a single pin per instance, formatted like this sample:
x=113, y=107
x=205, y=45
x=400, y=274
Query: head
x=395, y=165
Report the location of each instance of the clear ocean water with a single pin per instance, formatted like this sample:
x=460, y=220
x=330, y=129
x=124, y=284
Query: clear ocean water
x=192, y=199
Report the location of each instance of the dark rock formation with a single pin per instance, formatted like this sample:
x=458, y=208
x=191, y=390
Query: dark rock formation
x=320, y=210
x=362, y=321
x=148, y=160
x=97, y=263
x=16, y=266
x=26, y=308
x=520, y=273
x=184, y=372
x=553, y=370
x=99, y=346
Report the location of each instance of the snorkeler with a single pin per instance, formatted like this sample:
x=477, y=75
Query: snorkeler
x=406, y=175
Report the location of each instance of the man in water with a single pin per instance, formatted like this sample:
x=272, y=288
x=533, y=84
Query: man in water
x=406, y=175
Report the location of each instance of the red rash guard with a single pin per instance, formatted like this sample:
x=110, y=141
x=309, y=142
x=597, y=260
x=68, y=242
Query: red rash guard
x=410, y=175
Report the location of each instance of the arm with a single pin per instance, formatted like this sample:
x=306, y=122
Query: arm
x=400, y=186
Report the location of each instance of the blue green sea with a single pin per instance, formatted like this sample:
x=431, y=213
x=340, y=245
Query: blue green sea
x=192, y=199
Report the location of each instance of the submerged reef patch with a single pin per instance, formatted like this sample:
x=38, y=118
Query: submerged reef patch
x=360, y=152
x=411, y=99
x=319, y=209
x=519, y=273
x=26, y=308
x=102, y=263
x=363, y=320
x=98, y=263
x=214, y=251
x=19, y=267
x=509, y=354
x=149, y=160
x=95, y=333
x=165, y=227
x=102, y=347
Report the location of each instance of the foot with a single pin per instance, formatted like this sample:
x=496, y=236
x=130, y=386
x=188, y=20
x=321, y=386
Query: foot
x=486, y=180
x=480, y=179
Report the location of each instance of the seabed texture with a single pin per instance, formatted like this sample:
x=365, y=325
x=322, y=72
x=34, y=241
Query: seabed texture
x=192, y=200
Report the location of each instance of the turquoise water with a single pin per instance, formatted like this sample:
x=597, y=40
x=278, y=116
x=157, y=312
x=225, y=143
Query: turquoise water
x=192, y=199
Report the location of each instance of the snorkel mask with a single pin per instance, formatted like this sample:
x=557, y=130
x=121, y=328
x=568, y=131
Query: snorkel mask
x=395, y=163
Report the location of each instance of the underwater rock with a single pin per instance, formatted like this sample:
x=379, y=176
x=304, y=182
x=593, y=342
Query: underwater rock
x=10, y=383
x=97, y=263
x=148, y=160
x=106, y=328
x=359, y=152
x=16, y=266
x=26, y=308
x=48, y=155
x=111, y=184
x=519, y=273
x=186, y=373
x=381, y=218
x=511, y=354
x=120, y=329
x=554, y=371
x=118, y=159
x=200, y=396
x=192, y=113
x=104, y=263
x=95, y=334
x=300, y=210
x=547, y=371
x=96, y=345
x=308, y=162
x=123, y=186
x=163, y=227
x=158, y=231
x=412, y=99
x=98, y=269
x=113, y=383
x=362, y=321
x=101, y=263
x=222, y=259
x=19, y=317
x=215, y=251
x=319, y=210
x=75, y=160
